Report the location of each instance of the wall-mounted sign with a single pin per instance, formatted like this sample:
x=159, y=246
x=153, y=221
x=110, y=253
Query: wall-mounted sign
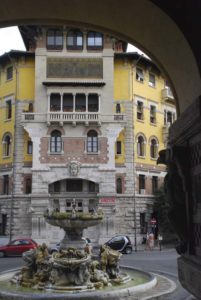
x=107, y=200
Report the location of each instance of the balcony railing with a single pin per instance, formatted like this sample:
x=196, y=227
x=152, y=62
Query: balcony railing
x=167, y=94
x=73, y=117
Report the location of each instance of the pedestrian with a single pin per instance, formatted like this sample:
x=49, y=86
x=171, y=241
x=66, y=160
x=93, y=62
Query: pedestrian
x=151, y=241
x=160, y=239
x=147, y=241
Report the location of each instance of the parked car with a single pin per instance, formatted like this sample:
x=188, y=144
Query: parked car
x=120, y=243
x=17, y=247
x=56, y=247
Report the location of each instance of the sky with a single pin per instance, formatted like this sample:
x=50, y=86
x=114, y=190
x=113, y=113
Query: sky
x=10, y=39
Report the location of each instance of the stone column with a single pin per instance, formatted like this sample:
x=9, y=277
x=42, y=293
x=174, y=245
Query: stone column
x=183, y=159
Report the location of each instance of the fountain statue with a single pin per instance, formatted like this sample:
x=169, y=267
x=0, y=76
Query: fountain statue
x=72, y=270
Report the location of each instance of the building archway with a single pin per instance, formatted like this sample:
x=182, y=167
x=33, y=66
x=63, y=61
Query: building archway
x=165, y=40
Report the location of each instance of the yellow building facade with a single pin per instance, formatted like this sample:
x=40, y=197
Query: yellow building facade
x=118, y=121
x=138, y=81
x=17, y=76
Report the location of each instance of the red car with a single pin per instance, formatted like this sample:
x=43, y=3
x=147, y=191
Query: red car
x=17, y=247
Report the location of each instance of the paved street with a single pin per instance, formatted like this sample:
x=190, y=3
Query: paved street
x=162, y=262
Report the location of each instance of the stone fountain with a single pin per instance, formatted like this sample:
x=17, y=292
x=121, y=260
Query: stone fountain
x=72, y=267
x=71, y=273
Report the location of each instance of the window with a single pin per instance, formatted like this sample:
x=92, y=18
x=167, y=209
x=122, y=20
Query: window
x=54, y=39
x=55, y=142
x=79, y=206
x=80, y=103
x=74, y=185
x=8, y=109
x=5, y=184
x=119, y=185
x=118, y=108
x=152, y=114
x=68, y=206
x=56, y=205
x=6, y=145
x=139, y=75
x=141, y=184
x=152, y=80
x=143, y=223
x=169, y=117
x=154, y=184
x=140, y=115
x=94, y=40
x=55, y=102
x=57, y=186
x=141, y=146
x=67, y=102
x=28, y=184
x=92, y=187
x=29, y=147
x=118, y=148
x=92, y=141
x=93, y=103
x=74, y=40
x=9, y=73
x=30, y=108
x=153, y=149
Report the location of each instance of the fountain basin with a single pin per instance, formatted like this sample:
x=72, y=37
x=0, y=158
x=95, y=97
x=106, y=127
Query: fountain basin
x=140, y=282
x=73, y=224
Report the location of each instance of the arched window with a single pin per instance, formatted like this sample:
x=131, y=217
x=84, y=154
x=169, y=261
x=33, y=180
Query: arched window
x=119, y=185
x=74, y=40
x=140, y=146
x=153, y=148
x=94, y=40
x=118, y=108
x=30, y=109
x=6, y=145
x=92, y=141
x=55, y=39
x=55, y=142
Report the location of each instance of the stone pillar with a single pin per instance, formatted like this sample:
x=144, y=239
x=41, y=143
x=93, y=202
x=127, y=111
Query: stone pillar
x=112, y=135
x=183, y=184
x=61, y=102
x=48, y=103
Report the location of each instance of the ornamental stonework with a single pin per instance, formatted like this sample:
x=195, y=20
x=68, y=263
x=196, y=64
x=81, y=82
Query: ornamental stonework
x=74, y=68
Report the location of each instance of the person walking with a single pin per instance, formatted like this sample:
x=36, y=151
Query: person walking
x=151, y=241
x=160, y=239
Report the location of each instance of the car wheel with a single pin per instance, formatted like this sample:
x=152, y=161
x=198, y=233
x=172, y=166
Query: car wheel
x=2, y=254
x=53, y=251
x=128, y=250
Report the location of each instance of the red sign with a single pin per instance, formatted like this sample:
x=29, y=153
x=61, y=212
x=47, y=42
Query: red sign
x=107, y=200
x=153, y=221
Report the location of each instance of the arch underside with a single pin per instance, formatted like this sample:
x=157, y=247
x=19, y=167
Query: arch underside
x=139, y=22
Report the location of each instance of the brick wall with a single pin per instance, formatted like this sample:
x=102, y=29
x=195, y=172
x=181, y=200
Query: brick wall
x=74, y=149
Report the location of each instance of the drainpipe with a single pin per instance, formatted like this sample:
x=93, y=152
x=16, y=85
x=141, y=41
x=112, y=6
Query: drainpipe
x=14, y=148
x=133, y=67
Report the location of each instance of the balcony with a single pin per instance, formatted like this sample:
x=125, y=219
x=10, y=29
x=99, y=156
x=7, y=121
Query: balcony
x=73, y=118
x=167, y=95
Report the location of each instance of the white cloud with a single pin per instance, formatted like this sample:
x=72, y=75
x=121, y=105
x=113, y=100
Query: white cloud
x=10, y=39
